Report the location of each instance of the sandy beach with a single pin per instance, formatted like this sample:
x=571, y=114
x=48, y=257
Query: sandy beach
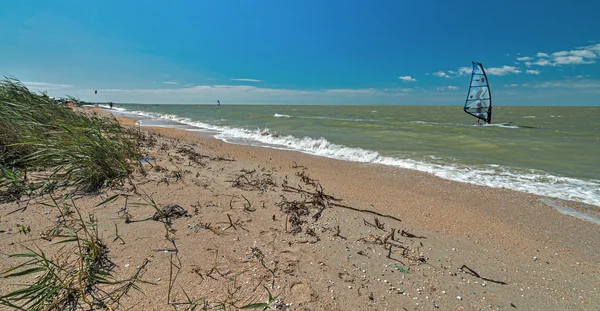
x=324, y=234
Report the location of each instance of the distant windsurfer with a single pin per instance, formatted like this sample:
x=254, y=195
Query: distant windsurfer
x=110, y=104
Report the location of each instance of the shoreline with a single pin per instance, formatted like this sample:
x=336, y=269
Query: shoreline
x=547, y=259
x=539, y=180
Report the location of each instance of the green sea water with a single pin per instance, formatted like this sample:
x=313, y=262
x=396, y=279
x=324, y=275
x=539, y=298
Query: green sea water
x=552, y=151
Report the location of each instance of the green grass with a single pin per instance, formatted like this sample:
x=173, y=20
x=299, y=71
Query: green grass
x=44, y=145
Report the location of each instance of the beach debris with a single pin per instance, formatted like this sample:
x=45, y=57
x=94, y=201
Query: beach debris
x=247, y=206
x=399, y=268
x=254, y=181
x=233, y=224
x=295, y=165
x=320, y=195
x=146, y=159
x=337, y=232
x=470, y=271
x=410, y=235
x=306, y=179
x=295, y=210
x=379, y=225
x=170, y=211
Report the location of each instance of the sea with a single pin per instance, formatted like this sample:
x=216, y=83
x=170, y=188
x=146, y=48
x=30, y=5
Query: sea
x=549, y=151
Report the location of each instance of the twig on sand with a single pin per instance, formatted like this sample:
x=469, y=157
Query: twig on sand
x=379, y=225
x=366, y=211
x=231, y=224
x=475, y=274
x=410, y=235
x=337, y=232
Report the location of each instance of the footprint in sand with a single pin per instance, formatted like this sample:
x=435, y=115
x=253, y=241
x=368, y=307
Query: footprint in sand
x=300, y=293
x=268, y=236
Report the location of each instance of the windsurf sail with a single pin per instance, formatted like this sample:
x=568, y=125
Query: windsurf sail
x=218, y=103
x=479, y=98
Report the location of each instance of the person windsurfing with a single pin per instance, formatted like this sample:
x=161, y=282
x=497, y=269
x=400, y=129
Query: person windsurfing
x=478, y=112
x=218, y=103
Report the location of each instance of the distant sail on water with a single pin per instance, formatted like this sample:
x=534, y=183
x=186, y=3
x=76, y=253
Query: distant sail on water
x=218, y=103
x=479, y=98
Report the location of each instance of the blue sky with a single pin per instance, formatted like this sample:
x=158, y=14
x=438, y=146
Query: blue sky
x=304, y=52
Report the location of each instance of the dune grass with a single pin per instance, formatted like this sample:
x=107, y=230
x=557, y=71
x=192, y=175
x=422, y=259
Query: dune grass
x=44, y=145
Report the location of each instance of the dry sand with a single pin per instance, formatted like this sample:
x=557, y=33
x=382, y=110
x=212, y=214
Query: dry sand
x=341, y=261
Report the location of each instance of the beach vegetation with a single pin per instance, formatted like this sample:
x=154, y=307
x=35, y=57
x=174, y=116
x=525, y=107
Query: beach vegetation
x=45, y=145
x=76, y=273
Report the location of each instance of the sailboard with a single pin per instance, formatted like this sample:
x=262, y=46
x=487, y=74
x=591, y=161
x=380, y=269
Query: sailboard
x=218, y=103
x=479, y=97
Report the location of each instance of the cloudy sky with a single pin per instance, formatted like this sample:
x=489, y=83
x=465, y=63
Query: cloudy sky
x=304, y=52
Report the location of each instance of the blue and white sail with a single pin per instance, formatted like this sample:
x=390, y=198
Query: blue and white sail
x=479, y=98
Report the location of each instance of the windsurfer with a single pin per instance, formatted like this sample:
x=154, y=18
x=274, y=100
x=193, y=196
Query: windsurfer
x=479, y=112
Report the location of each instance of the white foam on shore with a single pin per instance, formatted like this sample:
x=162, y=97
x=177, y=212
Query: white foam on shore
x=491, y=175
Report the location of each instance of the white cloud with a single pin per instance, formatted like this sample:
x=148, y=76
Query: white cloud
x=246, y=80
x=441, y=74
x=407, y=79
x=464, y=71
x=571, y=60
x=571, y=84
x=511, y=85
x=449, y=87
x=584, y=53
x=169, y=82
x=578, y=56
x=560, y=53
x=502, y=71
x=543, y=62
x=524, y=58
x=39, y=85
x=533, y=72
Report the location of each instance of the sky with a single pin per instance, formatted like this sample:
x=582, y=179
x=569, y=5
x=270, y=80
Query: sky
x=304, y=52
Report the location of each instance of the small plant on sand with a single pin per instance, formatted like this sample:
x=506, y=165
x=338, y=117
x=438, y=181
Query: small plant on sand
x=263, y=305
x=78, y=274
